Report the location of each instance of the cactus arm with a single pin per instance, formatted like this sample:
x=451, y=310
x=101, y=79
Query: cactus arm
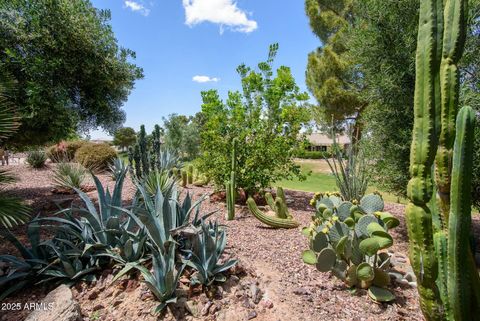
x=269, y=220
x=270, y=201
x=460, y=276
x=453, y=44
x=422, y=153
x=231, y=195
x=232, y=184
x=441, y=251
x=281, y=209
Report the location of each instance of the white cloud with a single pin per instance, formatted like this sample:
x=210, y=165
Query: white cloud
x=203, y=79
x=222, y=12
x=137, y=7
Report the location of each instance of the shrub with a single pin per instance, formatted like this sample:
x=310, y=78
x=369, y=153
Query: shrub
x=36, y=158
x=307, y=154
x=64, y=151
x=69, y=175
x=266, y=118
x=95, y=156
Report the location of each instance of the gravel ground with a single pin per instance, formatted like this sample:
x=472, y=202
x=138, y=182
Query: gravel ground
x=298, y=291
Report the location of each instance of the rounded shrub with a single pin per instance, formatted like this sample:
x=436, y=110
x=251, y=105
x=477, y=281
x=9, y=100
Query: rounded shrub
x=36, y=158
x=64, y=151
x=95, y=156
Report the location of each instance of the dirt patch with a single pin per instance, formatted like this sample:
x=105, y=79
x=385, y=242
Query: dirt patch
x=291, y=290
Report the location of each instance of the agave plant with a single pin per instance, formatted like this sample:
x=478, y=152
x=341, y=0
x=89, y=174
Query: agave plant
x=70, y=264
x=97, y=228
x=155, y=180
x=164, y=279
x=21, y=270
x=160, y=215
x=207, y=249
x=117, y=168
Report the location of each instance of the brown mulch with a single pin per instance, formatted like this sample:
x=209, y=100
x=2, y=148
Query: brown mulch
x=298, y=291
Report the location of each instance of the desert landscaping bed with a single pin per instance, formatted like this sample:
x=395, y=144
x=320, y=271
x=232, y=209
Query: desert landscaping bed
x=270, y=283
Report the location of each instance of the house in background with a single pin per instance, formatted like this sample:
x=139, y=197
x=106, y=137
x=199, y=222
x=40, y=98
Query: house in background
x=321, y=143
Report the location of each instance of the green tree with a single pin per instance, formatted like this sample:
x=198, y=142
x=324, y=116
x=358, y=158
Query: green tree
x=382, y=42
x=266, y=118
x=124, y=137
x=332, y=76
x=72, y=75
x=182, y=135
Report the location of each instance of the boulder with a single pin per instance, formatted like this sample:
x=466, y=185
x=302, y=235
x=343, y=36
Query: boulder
x=58, y=305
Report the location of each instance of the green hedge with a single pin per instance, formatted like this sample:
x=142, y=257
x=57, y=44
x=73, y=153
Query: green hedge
x=64, y=151
x=95, y=156
x=312, y=154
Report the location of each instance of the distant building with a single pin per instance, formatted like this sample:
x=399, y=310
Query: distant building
x=322, y=143
x=101, y=141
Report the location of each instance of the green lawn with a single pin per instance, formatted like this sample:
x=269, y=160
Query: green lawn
x=319, y=181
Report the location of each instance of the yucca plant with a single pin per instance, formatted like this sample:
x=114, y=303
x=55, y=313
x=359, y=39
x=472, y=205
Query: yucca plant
x=69, y=176
x=36, y=158
x=350, y=173
x=207, y=249
x=164, y=278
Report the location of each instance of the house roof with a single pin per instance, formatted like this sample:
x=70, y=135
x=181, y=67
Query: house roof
x=319, y=139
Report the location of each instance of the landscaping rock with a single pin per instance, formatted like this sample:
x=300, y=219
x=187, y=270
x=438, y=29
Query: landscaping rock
x=251, y=315
x=60, y=306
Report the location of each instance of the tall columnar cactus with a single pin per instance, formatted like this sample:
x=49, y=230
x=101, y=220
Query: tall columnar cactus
x=144, y=154
x=231, y=186
x=190, y=173
x=156, y=162
x=439, y=227
x=184, y=178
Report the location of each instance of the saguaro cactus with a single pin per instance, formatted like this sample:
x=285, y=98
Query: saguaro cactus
x=231, y=185
x=439, y=227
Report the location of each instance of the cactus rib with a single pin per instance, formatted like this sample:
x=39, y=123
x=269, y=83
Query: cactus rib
x=270, y=220
x=459, y=280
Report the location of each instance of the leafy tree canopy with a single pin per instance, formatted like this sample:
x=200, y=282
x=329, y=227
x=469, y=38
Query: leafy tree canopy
x=382, y=43
x=71, y=73
x=124, y=137
x=266, y=118
x=182, y=134
x=332, y=76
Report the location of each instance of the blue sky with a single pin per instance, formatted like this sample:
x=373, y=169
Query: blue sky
x=176, y=40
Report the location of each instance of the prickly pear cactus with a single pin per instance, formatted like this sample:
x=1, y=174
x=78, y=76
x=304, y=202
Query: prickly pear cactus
x=345, y=239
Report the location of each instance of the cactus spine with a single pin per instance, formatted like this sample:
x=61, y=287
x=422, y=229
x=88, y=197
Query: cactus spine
x=232, y=183
x=439, y=227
